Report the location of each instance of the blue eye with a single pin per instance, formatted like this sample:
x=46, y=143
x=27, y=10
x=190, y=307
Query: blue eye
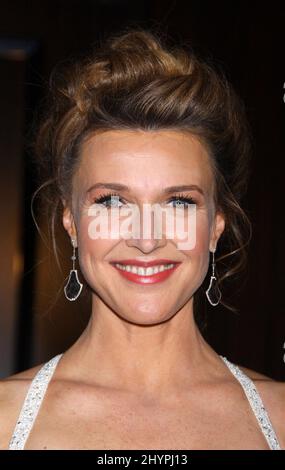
x=183, y=201
x=109, y=200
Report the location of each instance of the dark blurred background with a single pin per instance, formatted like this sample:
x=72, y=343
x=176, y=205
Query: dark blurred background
x=245, y=39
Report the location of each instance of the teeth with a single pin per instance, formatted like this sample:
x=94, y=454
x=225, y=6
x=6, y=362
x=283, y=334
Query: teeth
x=149, y=271
x=144, y=271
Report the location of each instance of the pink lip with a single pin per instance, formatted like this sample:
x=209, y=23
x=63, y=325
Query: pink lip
x=153, y=279
x=145, y=264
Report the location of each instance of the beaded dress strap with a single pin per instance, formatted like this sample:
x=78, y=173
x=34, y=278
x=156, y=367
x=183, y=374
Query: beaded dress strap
x=41, y=380
x=32, y=403
x=256, y=404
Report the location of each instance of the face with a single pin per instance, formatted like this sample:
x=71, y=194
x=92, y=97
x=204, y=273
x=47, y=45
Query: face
x=147, y=163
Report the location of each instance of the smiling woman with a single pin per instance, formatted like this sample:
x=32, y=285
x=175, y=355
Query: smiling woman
x=138, y=124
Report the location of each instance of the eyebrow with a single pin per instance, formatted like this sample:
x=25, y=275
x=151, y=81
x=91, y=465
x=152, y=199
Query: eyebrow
x=169, y=190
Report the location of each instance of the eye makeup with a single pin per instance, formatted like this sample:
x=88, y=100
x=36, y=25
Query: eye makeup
x=107, y=199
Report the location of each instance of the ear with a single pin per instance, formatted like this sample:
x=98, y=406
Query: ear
x=217, y=230
x=68, y=220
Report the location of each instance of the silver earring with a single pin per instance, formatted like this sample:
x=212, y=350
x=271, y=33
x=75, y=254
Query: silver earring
x=213, y=292
x=73, y=286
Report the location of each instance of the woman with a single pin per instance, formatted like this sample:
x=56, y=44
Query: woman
x=139, y=124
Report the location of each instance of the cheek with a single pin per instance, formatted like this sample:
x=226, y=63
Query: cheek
x=197, y=259
x=91, y=248
x=200, y=238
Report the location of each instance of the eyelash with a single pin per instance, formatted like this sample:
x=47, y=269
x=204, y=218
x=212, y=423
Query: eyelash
x=178, y=197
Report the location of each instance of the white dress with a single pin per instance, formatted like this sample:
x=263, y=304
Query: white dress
x=39, y=385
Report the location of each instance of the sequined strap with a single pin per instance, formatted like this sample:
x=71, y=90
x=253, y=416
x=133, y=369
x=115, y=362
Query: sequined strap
x=256, y=404
x=32, y=403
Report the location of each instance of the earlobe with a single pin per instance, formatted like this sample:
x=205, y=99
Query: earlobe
x=68, y=222
x=220, y=224
x=218, y=228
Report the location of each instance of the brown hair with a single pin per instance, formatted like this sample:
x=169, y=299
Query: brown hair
x=134, y=81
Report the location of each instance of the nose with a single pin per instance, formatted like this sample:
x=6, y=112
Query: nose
x=146, y=245
x=151, y=235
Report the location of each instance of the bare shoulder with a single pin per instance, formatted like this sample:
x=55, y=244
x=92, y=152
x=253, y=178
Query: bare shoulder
x=272, y=393
x=13, y=390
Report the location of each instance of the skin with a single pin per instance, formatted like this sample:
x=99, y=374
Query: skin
x=141, y=376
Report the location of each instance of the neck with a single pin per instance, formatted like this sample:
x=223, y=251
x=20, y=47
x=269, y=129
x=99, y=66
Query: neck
x=116, y=353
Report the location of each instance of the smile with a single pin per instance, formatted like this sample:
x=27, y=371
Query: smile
x=146, y=275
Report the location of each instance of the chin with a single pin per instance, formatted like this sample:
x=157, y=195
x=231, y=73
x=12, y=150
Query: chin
x=150, y=315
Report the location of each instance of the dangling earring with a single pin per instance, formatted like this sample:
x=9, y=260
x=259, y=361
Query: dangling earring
x=73, y=286
x=213, y=292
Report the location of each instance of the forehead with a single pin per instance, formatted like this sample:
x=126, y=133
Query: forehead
x=145, y=158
